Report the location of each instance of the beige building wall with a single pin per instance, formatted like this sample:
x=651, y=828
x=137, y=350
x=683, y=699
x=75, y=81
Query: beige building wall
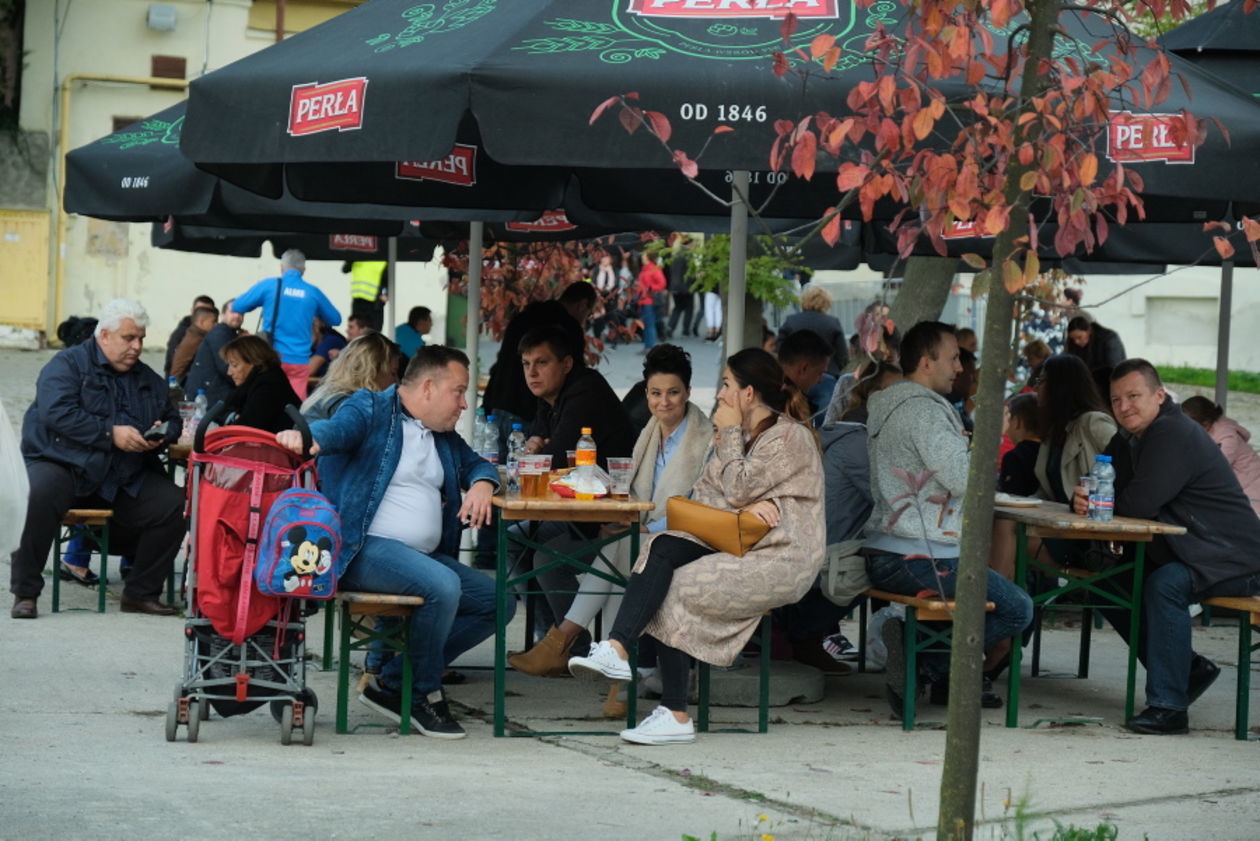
x=103, y=260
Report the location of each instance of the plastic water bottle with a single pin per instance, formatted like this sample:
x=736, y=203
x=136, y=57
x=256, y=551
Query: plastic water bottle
x=490, y=441
x=515, y=449
x=1103, y=503
x=479, y=430
x=176, y=393
x=202, y=404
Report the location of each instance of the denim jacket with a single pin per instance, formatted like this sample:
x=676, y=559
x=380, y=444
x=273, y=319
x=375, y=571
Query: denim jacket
x=359, y=451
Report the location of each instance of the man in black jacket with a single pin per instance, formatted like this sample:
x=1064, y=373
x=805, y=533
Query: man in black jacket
x=209, y=368
x=1168, y=469
x=85, y=447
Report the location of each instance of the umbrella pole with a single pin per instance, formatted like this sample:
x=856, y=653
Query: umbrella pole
x=391, y=283
x=1222, y=333
x=738, y=264
x=472, y=326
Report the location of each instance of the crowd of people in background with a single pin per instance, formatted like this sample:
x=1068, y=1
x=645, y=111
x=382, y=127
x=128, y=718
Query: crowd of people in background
x=813, y=434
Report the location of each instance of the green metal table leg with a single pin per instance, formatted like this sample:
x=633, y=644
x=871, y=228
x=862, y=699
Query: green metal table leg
x=104, y=547
x=404, y=720
x=56, y=572
x=632, y=691
x=1135, y=616
x=763, y=694
x=1017, y=649
x=500, y=642
x=911, y=689
x=330, y=625
x=1242, y=699
x=343, y=672
x=702, y=722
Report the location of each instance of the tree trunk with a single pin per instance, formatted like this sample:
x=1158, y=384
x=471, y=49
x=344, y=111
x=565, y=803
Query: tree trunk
x=956, y=818
x=924, y=290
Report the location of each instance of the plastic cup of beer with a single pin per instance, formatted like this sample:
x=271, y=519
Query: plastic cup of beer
x=535, y=474
x=620, y=470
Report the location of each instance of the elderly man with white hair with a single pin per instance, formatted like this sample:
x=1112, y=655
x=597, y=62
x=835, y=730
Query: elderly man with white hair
x=290, y=306
x=90, y=441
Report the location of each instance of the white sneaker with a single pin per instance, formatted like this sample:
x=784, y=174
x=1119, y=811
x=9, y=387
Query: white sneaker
x=602, y=662
x=661, y=728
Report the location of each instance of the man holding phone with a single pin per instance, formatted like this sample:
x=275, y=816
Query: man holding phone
x=90, y=441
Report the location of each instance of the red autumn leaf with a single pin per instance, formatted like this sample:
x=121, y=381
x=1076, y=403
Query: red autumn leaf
x=821, y=45
x=603, y=106
x=788, y=27
x=1251, y=228
x=781, y=65
x=1223, y=247
x=630, y=119
x=722, y=129
x=660, y=125
x=689, y=167
x=851, y=177
x=805, y=156
x=831, y=231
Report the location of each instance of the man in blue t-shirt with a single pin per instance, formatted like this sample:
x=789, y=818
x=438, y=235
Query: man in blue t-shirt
x=410, y=336
x=290, y=306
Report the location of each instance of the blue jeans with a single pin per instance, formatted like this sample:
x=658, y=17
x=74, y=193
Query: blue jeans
x=1166, y=651
x=647, y=314
x=457, y=615
x=1011, y=613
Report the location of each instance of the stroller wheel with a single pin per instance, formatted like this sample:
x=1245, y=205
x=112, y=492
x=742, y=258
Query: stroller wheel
x=203, y=708
x=172, y=721
x=286, y=725
x=307, y=697
x=308, y=726
x=194, y=719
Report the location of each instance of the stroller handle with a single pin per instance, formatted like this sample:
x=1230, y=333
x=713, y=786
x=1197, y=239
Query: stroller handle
x=300, y=424
x=215, y=415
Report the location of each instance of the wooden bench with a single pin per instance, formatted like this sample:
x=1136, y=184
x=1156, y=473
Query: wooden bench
x=359, y=612
x=92, y=523
x=918, y=639
x=1249, y=608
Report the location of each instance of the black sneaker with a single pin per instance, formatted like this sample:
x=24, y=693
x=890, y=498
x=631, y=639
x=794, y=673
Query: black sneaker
x=384, y=701
x=432, y=717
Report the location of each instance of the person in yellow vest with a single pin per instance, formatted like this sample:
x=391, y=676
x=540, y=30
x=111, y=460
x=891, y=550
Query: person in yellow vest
x=368, y=292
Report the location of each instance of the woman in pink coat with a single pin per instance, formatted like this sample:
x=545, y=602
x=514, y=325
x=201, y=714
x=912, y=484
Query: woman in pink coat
x=1233, y=440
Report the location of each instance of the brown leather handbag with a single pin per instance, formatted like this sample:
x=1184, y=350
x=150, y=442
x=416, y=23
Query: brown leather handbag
x=726, y=531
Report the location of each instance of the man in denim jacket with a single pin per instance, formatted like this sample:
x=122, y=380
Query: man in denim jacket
x=85, y=446
x=395, y=468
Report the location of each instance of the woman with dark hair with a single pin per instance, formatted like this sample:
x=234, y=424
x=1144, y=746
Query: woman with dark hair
x=1075, y=426
x=1234, y=441
x=262, y=389
x=668, y=457
x=875, y=377
x=699, y=602
x=1097, y=346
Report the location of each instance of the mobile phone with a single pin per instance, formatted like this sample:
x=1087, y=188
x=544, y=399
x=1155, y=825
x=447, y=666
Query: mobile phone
x=157, y=433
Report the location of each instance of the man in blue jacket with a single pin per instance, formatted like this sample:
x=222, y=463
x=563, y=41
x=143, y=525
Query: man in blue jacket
x=290, y=306
x=395, y=468
x=85, y=444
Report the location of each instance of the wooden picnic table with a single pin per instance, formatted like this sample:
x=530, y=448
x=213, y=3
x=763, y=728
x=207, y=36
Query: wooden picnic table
x=555, y=508
x=1056, y=520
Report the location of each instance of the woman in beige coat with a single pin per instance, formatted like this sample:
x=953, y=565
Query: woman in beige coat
x=705, y=604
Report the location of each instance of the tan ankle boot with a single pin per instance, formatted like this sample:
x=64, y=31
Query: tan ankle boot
x=614, y=708
x=548, y=658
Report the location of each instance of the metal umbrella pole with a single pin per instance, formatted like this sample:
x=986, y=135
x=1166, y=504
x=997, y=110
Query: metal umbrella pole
x=1222, y=333
x=391, y=283
x=472, y=326
x=738, y=264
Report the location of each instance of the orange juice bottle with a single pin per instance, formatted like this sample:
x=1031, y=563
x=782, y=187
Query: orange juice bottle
x=585, y=458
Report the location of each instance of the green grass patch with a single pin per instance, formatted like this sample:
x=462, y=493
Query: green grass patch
x=1245, y=381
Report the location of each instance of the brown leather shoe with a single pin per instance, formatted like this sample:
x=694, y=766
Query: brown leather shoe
x=24, y=609
x=150, y=606
x=548, y=658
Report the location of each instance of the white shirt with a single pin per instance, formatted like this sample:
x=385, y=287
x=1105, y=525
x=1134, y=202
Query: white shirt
x=411, y=510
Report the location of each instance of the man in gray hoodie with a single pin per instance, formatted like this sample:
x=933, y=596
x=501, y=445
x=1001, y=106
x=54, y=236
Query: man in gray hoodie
x=918, y=461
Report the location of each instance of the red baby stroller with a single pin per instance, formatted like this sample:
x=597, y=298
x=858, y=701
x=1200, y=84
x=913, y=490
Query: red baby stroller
x=242, y=649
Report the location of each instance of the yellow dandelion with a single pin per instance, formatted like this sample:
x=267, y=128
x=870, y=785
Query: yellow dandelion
x=765, y=837
x=763, y=818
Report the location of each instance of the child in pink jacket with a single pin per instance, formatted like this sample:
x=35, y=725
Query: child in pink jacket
x=1233, y=440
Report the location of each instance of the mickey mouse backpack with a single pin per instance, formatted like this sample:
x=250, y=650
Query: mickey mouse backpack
x=301, y=541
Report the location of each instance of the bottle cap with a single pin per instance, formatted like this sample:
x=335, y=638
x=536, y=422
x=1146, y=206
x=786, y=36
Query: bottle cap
x=1105, y=459
x=515, y=426
x=489, y=417
x=586, y=430
x=201, y=391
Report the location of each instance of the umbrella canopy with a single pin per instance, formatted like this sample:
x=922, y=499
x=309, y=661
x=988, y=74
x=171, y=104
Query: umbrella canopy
x=395, y=81
x=175, y=236
x=1224, y=41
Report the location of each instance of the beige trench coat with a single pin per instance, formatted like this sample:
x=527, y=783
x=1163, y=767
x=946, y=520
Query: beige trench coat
x=715, y=602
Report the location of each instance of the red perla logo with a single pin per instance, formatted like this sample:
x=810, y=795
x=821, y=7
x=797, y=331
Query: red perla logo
x=551, y=220
x=458, y=168
x=734, y=8
x=964, y=230
x=335, y=105
x=353, y=242
x=1133, y=138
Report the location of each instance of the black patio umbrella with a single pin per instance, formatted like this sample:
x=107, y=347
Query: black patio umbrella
x=1224, y=41
x=409, y=246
